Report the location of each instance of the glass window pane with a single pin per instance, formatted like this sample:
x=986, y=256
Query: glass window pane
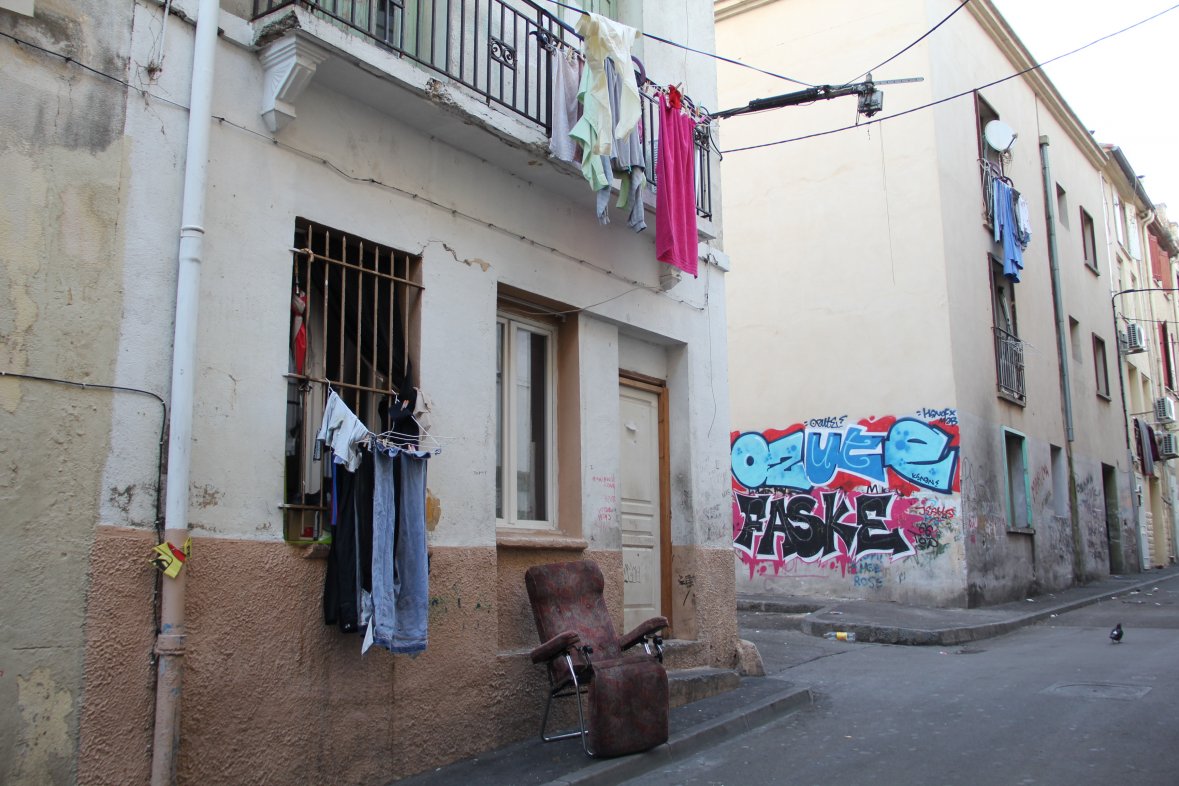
x=530, y=361
x=539, y=419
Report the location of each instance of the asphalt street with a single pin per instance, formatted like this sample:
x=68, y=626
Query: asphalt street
x=1054, y=704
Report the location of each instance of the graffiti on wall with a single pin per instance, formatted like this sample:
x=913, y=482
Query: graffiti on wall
x=832, y=493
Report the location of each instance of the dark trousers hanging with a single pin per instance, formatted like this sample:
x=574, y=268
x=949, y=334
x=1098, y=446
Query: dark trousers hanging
x=350, y=560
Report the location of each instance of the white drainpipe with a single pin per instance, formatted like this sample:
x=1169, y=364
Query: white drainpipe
x=170, y=640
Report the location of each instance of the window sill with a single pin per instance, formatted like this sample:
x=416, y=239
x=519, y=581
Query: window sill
x=1010, y=399
x=1104, y=396
x=551, y=541
x=1093, y=269
x=1021, y=531
x=313, y=550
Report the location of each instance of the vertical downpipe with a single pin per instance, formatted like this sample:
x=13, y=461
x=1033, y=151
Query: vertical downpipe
x=170, y=639
x=1062, y=339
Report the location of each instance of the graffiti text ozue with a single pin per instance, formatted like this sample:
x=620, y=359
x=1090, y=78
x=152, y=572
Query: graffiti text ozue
x=918, y=452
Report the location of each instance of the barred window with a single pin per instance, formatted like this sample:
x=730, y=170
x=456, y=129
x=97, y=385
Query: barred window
x=355, y=308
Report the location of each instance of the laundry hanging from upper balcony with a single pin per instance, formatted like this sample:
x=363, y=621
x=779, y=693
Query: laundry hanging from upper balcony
x=599, y=125
x=676, y=241
x=1009, y=218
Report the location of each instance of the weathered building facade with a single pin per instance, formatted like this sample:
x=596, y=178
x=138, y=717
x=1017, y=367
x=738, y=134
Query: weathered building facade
x=909, y=422
x=381, y=216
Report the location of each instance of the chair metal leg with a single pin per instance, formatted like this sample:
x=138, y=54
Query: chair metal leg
x=582, y=732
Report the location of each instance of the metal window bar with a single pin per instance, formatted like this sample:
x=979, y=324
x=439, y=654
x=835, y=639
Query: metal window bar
x=1009, y=364
x=362, y=299
x=493, y=47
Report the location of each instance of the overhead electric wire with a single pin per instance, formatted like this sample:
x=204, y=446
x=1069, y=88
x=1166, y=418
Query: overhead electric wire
x=971, y=91
x=910, y=46
x=685, y=47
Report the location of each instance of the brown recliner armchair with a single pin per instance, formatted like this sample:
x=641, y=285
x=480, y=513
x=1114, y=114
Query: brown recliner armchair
x=627, y=695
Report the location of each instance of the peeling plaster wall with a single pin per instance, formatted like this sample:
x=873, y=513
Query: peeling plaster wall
x=63, y=158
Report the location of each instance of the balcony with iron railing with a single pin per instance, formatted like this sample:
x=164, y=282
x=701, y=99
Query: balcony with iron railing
x=497, y=49
x=1009, y=366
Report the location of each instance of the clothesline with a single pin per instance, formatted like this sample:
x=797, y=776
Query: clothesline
x=407, y=441
x=650, y=88
x=597, y=124
x=377, y=579
x=687, y=48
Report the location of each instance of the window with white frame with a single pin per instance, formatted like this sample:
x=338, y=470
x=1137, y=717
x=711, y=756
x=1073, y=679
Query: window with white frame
x=525, y=433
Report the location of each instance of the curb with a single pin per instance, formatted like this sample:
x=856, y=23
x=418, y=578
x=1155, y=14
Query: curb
x=885, y=634
x=690, y=741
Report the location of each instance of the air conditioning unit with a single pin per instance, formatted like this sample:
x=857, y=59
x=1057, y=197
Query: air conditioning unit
x=1135, y=339
x=1169, y=446
x=1164, y=410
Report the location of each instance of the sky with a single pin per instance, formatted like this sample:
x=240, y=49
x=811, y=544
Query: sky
x=1123, y=88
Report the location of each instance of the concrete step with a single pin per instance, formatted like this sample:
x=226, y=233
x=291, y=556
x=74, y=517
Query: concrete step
x=770, y=620
x=780, y=605
x=688, y=685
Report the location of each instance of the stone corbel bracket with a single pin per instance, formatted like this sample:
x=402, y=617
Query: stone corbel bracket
x=288, y=65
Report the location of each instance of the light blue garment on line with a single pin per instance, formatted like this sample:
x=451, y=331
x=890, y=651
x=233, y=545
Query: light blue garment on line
x=1006, y=230
x=400, y=564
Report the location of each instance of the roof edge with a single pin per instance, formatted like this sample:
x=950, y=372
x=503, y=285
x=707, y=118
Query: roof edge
x=988, y=16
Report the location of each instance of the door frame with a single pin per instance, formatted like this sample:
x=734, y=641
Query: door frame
x=658, y=387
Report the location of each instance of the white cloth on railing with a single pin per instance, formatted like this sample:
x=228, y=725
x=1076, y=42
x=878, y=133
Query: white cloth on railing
x=341, y=431
x=564, y=87
x=598, y=127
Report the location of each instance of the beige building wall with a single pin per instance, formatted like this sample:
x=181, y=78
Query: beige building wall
x=414, y=163
x=877, y=257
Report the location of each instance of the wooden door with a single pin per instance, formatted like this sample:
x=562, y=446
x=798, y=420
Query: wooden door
x=642, y=498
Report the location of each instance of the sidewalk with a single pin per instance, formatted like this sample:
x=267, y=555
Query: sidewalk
x=895, y=623
x=757, y=700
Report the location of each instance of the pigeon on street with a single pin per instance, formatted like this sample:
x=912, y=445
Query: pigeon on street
x=1115, y=635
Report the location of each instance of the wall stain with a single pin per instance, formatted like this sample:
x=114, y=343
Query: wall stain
x=205, y=496
x=43, y=749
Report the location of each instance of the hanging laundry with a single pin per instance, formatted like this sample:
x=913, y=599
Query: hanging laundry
x=676, y=240
x=400, y=566
x=341, y=431
x=298, y=325
x=628, y=162
x=1023, y=222
x=348, y=581
x=1005, y=229
x=564, y=87
x=599, y=125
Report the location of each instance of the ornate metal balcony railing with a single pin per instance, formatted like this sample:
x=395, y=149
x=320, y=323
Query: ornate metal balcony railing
x=1009, y=365
x=493, y=47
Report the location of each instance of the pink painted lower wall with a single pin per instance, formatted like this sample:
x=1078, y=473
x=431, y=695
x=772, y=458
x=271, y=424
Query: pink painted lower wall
x=273, y=695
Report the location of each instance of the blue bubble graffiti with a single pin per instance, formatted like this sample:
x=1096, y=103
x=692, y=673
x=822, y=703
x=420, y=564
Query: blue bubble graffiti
x=919, y=452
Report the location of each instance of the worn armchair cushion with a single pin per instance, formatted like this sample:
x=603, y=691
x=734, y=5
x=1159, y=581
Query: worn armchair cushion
x=554, y=646
x=627, y=706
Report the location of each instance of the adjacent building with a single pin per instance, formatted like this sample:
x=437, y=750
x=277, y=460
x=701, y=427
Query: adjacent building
x=1142, y=245
x=379, y=217
x=915, y=417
